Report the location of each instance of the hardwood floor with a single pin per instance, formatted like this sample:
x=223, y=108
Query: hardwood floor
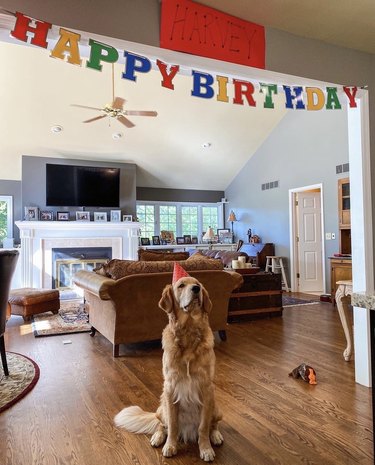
x=269, y=418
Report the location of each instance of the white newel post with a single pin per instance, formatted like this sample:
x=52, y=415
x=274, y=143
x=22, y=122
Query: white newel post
x=39, y=238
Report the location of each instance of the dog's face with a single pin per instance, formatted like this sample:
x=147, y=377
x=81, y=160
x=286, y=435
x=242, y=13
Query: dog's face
x=186, y=295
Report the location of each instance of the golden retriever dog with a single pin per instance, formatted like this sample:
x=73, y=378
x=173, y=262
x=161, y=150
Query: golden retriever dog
x=187, y=410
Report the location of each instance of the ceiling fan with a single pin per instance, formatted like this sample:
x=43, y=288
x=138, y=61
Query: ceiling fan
x=116, y=109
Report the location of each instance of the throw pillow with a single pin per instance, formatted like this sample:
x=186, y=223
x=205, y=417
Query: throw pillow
x=153, y=255
x=117, y=269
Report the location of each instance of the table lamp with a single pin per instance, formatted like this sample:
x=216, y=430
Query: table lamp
x=232, y=218
x=209, y=235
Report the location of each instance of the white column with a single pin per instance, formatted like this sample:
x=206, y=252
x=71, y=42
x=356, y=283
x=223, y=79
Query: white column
x=361, y=230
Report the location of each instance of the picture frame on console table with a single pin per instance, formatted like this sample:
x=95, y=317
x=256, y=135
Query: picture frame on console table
x=62, y=216
x=155, y=240
x=127, y=218
x=46, y=215
x=82, y=216
x=187, y=238
x=224, y=236
x=180, y=240
x=31, y=213
x=145, y=241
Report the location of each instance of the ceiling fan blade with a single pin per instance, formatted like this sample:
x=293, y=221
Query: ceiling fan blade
x=118, y=103
x=125, y=121
x=140, y=113
x=94, y=119
x=84, y=106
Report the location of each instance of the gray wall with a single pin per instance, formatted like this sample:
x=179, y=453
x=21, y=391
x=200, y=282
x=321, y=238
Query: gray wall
x=178, y=195
x=303, y=150
x=34, y=183
x=134, y=20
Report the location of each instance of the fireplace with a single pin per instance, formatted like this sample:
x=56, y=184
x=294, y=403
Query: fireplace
x=67, y=261
x=40, y=238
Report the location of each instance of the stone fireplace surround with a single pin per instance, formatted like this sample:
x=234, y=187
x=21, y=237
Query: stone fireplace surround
x=38, y=238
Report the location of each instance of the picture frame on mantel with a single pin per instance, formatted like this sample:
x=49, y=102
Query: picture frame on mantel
x=31, y=213
x=82, y=216
x=46, y=215
x=62, y=216
x=115, y=216
x=100, y=217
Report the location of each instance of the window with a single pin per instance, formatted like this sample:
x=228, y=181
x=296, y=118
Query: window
x=6, y=216
x=168, y=218
x=180, y=218
x=189, y=219
x=146, y=217
x=209, y=215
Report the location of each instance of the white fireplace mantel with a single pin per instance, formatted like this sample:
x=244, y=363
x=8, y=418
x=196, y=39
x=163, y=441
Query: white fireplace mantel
x=38, y=238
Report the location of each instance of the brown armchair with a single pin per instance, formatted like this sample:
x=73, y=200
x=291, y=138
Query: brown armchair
x=8, y=262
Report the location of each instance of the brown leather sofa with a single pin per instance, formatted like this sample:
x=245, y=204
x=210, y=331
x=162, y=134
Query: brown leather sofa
x=226, y=256
x=126, y=310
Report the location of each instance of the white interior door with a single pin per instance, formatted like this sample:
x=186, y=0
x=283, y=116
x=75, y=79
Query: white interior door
x=310, y=264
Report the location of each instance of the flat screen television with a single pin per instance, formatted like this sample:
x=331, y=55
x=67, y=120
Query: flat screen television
x=82, y=186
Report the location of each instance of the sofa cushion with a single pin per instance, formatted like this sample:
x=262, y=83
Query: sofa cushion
x=198, y=255
x=226, y=256
x=159, y=255
x=116, y=269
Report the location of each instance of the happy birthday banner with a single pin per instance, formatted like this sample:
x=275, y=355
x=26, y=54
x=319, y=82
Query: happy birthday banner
x=204, y=85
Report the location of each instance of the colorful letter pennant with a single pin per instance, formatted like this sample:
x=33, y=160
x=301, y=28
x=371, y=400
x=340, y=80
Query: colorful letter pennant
x=204, y=85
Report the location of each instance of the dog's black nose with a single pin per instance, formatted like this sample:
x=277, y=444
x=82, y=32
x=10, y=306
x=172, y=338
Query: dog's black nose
x=196, y=289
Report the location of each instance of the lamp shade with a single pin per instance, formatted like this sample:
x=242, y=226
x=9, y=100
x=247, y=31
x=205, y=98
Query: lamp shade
x=209, y=234
x=232, y=216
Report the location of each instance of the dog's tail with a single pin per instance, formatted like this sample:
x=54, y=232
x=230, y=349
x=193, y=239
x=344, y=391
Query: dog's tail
x=135, y=420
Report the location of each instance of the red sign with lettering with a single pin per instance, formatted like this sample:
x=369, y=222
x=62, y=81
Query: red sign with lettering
x=189, y=27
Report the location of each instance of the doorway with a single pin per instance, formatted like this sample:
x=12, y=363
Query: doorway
x=306, y=239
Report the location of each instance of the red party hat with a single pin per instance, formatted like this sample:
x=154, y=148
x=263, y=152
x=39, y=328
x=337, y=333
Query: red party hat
x=178, y=272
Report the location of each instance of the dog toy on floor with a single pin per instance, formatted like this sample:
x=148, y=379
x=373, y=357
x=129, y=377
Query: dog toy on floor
x=306, y=372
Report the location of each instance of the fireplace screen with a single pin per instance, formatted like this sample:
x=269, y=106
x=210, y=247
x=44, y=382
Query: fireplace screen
x=66, y=262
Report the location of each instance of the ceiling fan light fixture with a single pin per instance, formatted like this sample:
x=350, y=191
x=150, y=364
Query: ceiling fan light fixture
x=117, y=135
x=56, y=129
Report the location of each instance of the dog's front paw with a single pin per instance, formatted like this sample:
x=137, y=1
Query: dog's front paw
x=158, y=438
x=207, y=454
x=169, y=449
x=216, y=437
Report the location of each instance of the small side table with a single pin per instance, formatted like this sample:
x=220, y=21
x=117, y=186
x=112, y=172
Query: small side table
x=343, y=299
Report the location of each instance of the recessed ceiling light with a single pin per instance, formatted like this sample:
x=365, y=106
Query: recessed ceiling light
x=117, y=135
x=206, y=145
x=56, y=128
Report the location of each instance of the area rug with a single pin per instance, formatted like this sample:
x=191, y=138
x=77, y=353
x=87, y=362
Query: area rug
x=23, y=376
x=72, y=318
x=294, y=302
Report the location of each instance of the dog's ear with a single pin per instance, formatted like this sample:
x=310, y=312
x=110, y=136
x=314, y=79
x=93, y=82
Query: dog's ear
x=166, y=302
x=206, y=304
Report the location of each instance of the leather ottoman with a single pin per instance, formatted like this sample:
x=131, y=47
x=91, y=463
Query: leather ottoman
x=28, y=301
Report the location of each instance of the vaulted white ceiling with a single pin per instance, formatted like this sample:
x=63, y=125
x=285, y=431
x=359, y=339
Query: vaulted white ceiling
x=37, y=91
